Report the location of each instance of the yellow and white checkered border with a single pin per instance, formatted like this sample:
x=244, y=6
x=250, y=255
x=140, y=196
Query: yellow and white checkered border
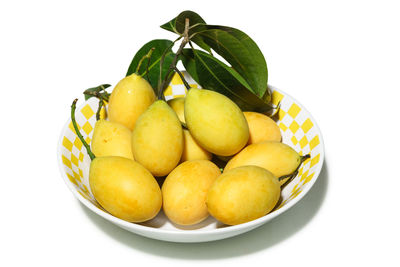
x=299, y=130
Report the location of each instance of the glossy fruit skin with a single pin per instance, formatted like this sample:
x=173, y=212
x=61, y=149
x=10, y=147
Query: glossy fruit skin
x=215, y=122
x=192, y=150
x=278, y=158
x=185, y=191
x=157, y=140
x=262, y=128
x=129, y=99
x=111, y=139
x=125, y=188
x=243, y=194
x=178, y=105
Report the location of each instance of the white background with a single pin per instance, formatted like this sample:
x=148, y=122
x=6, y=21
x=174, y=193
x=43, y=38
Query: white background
x=340, y=59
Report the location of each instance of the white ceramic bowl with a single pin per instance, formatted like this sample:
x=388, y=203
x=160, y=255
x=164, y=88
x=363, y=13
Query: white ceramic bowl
x=299, y=130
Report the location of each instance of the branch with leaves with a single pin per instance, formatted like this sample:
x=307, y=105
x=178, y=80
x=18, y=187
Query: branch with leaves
x=244, y=80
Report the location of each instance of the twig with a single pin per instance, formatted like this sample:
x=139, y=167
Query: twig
x=182, y=78
x=173, y=64
x=162, y=61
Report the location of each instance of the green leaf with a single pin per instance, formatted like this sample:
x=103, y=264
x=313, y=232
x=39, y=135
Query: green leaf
x=159, y=45
x=170, y=26
x=98, y=92
x=193, y=17
x=235, y=46
x=241, y=52
x=189, y=63
x=213, y=74
x=177, y=25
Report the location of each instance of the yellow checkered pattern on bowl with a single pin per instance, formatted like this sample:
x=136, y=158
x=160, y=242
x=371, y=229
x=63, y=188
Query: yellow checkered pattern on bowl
x=297, y=127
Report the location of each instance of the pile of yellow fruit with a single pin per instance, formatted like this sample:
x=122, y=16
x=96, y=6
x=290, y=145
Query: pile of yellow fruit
x=145, y=138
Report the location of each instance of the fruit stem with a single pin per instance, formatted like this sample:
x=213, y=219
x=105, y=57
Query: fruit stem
x=292, y=175
x=277, y=109
x=184, y=126
x=101, y=103
x=78, y=133
x=182, y=78
x=304, y=158
x=148, y=56
x=147, y=66
x=175, y=60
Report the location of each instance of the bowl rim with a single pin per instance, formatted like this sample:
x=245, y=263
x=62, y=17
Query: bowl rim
x=230, y=228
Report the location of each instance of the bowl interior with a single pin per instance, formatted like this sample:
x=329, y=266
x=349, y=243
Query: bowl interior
x=298, y=128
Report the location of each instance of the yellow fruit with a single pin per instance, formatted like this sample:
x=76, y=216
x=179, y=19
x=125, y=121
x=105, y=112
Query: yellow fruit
x=111, y=139
x=178, y=105
x=125, y=188
x=278, y=158
x=185, y=189
x=262, y=128
x=157, y=140
x=215, y=122
x=192, y=150
x=243, y=194
x=129, y=99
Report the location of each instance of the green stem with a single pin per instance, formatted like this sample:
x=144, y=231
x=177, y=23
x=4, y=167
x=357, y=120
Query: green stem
x=78, y=133
x=147, y=66
x=292, y=175
x=175, y=60
x=304, y=158
x=148, y=55
x=101, y=103
x=277, y=108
